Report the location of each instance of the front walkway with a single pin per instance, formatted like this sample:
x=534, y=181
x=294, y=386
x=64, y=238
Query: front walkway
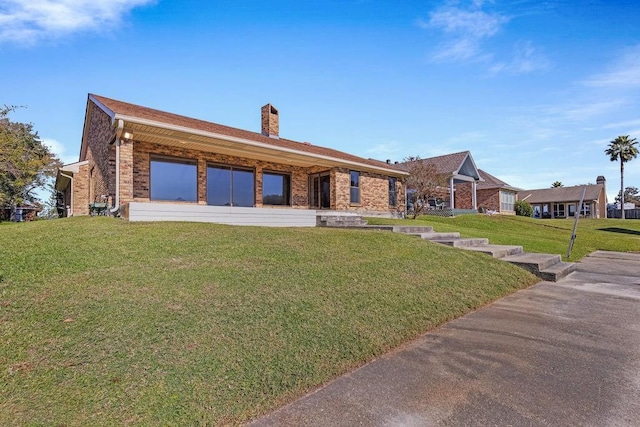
x=565, y=353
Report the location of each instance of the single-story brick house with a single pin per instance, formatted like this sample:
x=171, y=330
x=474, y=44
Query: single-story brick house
x=492, y=194
x=562, y=202
x=154, y=165
x=460, y=172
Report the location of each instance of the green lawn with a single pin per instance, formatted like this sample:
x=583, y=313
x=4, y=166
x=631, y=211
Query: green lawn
x=106, y=322
x=536, y=235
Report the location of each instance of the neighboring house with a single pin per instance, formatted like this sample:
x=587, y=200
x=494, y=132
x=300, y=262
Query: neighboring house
x=153, y=165
x=492, y=194
x=460, y=172
x=19, y=213
x=562, y=202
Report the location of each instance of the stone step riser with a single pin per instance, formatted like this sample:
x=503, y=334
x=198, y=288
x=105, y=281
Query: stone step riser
x=440, y=236
x=464, y=243
x=499, y=253
x=549, y=268
x=412, y=229
x=340, y=221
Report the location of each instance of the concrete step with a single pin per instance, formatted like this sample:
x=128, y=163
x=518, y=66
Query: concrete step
x=532, y=261
x=557, y=271
x=340, y=221
x=497, y=251
x=437, y=236
x=411, y=229
x=464, y=243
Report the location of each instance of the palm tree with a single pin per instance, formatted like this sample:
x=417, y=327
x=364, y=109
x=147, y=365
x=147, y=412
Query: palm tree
x=557, y=184
x=624, y=149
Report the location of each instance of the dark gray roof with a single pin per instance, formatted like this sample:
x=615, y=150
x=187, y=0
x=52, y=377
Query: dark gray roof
x=561, y=194
x=451, y=164
x=491, y=182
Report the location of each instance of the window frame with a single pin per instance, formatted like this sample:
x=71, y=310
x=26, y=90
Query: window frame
x=286, y=191
x=354, y=189
x=507, y=201
x=231, y=169
x=393, y=191
x=174, y=161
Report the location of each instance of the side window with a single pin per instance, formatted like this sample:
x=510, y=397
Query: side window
x=355, y=187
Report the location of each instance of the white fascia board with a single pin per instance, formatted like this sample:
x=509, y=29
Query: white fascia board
x=103, y=107
x=73, y=167
x=223, y=137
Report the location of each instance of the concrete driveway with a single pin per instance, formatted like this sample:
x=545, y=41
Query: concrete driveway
x=556, y=354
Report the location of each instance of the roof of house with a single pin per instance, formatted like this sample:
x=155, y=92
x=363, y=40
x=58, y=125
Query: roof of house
x=491, y=182
x=455, y=164
x=126, y=111
x=561, y=194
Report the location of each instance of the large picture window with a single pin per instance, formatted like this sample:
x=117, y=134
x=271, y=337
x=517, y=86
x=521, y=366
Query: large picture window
x=355, y=187
x=558, y=210
x=173, y=179
x=276, y=189
x=230, y=186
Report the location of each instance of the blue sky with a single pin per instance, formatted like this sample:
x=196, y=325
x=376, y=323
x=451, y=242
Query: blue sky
x=535, y=90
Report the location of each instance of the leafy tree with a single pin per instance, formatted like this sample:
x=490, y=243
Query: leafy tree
x=523, y=208
x=25, y=162
x=622, y=149
x=557, y=184
x=631, y=194
x=423, y=183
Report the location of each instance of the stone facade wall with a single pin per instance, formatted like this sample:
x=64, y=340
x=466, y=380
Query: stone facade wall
x=463, y=196
x=81, y=191
x=374, y=192
x=489, y=199
x=144, y=151
x=101, y=157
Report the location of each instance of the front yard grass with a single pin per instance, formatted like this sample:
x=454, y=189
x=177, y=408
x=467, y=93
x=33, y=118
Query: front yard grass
x=106, y=322
x=538, y=235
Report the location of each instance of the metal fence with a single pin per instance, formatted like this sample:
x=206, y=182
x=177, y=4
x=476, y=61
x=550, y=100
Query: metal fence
x=628, y=213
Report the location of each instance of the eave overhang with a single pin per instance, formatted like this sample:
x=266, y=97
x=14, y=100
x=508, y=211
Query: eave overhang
x=187, y=138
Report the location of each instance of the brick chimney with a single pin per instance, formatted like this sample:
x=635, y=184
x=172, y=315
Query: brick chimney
x=270, y=121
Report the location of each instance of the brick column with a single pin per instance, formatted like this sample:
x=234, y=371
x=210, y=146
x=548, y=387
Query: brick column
x=126, y=172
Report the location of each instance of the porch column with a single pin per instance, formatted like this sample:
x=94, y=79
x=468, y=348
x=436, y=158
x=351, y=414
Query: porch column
x=473, y=195
x=451, y=194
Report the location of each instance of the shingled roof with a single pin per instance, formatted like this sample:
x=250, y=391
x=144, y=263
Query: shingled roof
x=491, y=182
x=124, y=110
x=561, y=194
x=454, y=164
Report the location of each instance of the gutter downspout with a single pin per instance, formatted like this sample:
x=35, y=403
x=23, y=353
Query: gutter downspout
x=119, y=131
x=71, y=179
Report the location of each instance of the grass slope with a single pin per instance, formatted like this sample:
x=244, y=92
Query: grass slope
x=536, y=235
x=105, y=322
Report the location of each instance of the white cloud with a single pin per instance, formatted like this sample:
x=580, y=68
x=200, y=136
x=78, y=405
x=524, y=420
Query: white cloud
x=60, y=150
x=29, y=21
x=465, y=30
x=526, y=59
x=623, y=73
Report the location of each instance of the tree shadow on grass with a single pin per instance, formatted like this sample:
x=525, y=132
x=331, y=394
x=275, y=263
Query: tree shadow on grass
x=620, y=230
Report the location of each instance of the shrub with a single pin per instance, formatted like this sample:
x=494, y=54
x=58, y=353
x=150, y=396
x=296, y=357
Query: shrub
x=523, y=208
